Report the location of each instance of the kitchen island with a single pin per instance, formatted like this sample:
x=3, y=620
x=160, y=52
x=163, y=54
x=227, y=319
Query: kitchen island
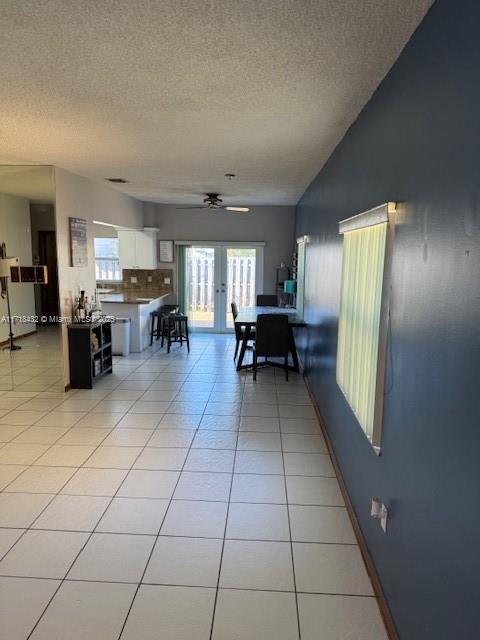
x=136, y=305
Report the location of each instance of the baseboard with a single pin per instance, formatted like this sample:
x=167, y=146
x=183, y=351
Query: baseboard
x=372, y=572
x=16, y=338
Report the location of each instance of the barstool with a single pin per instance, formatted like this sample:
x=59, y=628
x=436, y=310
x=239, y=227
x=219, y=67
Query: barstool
x=156, y=320
x=174, y=327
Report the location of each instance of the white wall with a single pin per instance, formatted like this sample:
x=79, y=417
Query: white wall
x=79, y=197
x=15, y=232
x=273, y=225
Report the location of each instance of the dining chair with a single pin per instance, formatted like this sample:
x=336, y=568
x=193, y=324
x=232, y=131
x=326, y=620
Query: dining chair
x=239, y=330
x=267, y=300
x=272, y=339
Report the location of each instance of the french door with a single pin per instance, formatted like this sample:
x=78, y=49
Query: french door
x=218, y=274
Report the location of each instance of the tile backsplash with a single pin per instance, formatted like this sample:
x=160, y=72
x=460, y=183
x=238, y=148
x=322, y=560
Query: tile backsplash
x=157, y=283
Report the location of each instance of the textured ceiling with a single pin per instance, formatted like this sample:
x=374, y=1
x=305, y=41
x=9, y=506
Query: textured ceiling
x=173, y=94
x=35, y=183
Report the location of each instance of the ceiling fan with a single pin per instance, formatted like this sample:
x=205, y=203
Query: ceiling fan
x=213, y=201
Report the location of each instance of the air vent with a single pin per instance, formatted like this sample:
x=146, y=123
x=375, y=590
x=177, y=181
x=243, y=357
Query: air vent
x=117, y=180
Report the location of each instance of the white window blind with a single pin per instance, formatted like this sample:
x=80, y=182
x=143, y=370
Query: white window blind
x=362, y=332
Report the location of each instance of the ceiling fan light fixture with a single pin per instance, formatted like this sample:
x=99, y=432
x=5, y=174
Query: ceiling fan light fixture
x=238, y=209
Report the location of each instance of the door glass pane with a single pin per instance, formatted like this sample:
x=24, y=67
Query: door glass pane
x=240, y=280
x=200, y=269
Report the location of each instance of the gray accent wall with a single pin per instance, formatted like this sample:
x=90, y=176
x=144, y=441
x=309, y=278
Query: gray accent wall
x=416, y=142
x=273, y=225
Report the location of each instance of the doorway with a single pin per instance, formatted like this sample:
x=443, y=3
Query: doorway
x=217, y=274
x=48, y=298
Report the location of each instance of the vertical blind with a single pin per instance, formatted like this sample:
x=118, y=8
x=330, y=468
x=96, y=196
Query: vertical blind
x=360, y=319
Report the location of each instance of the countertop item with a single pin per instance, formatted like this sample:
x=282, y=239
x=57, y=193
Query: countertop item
x=133, y=297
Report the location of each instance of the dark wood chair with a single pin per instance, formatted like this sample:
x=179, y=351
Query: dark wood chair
x=175, y=329
x=239, y=330
x=272, y=339
x=156, y=320
x=267, y=300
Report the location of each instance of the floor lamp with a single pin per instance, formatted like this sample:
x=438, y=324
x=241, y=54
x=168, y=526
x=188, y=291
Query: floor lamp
x=5, y=265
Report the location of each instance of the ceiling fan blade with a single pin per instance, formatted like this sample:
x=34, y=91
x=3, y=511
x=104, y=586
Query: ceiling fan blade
x=192, y=207
x=237, y=209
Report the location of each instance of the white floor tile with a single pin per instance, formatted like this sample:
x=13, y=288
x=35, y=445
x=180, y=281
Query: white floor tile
x=220, y=460
x=8, y=537
x=252, y=441
x=102, y=420
x=113, y=457
x=215, y=439
x=113, y=558
x=321, y=524
x=269, y=462
x=161, y=458
x=9, y=472
x=314, y=491
x=308, y=464
x=149, y=484
x=203, y=486
x=139, y=421
x=259, y=410
x=179, y=421
x=65, y=456
x=258, y=522
x=258, y=488
x=82, y=610
x=331, y=568
x=195, y=518
x=171, y=438
x=340, y=617
x=263, y=615
x=23, y=454
x=268, y=425
x=22, y=603
x=43, y=554
x=95, y=482
x=185, y=561
x=171, y=613
x=303, y=443
x=128, y=438
x=21, y=509
x=220, y=423
x=72, y=513
x=40, y=435
x=257, y=565
x=133, y=515
x=87, y=435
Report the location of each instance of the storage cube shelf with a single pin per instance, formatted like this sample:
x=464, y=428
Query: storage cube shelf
x=90, y=352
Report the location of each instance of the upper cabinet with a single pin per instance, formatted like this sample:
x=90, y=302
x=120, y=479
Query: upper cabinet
x=137, y=249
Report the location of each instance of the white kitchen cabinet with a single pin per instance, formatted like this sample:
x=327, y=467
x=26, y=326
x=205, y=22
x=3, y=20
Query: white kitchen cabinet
x=137, y=249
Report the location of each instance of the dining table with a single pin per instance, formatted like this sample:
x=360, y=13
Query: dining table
x=247, y=320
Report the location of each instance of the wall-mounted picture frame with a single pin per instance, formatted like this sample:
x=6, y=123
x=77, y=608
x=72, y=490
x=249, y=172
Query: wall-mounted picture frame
x=78, y=242
x=165, y=251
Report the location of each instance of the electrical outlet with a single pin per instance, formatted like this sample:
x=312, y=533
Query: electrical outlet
x=133, y=279
x=380, y=512
x=166, y=281
x=149, y=279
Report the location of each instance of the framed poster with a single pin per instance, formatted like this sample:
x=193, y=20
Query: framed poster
x=78, y=242
x=165, y=251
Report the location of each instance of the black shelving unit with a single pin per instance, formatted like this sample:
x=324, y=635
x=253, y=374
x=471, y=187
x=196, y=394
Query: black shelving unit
x=89, y=352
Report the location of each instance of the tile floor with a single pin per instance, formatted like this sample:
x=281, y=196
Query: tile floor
x=177, y=500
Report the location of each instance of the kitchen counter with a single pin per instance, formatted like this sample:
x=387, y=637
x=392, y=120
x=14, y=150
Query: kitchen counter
x=137, y=307
x=132, y=297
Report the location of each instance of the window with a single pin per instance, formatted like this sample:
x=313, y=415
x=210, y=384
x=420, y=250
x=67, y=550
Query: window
x=362, y=331
x=301, y=257
x=107, y=264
